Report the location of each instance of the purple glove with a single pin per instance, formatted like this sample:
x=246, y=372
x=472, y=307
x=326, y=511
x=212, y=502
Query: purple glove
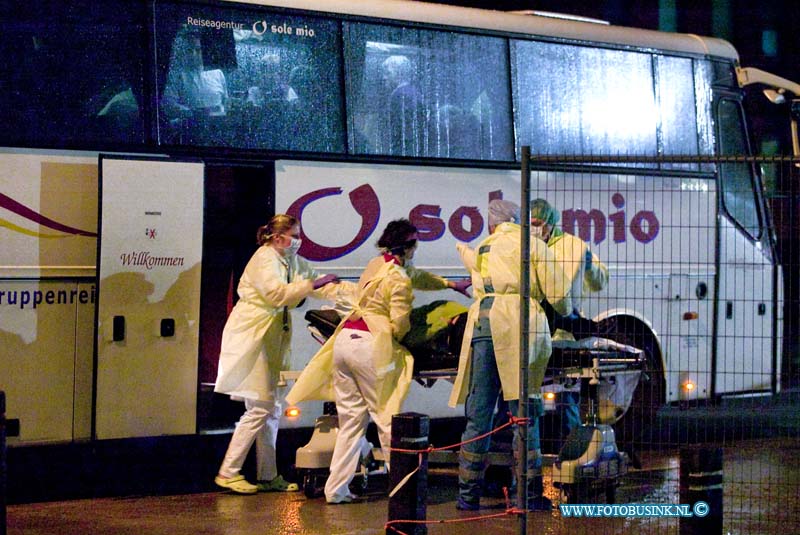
x=325, y=279
x=461, y=286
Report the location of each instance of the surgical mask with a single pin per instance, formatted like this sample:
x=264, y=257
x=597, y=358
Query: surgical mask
x=293, y=247
x=537, y=232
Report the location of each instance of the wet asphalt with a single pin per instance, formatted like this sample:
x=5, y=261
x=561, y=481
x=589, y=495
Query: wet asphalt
x=759, y=437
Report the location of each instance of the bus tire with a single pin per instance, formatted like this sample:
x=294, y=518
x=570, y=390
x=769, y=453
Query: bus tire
x=634, y=428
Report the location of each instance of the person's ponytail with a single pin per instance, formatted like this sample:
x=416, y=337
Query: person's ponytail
x=276, y=226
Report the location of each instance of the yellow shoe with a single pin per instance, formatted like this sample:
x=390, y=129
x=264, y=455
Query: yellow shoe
x=278, y=484
x=237, y=484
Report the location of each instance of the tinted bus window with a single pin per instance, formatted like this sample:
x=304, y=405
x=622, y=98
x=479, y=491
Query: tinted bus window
x=724, y=75
x=736, y=179
x=703, y=81
x=677, y=110
x=71, y=73
x=247, y=79
x=579, y=100
x=416, y=92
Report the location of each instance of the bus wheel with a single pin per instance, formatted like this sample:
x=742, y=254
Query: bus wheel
x=634, y=428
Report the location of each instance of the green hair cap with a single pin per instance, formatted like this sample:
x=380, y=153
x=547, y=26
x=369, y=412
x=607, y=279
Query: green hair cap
x=543, y=211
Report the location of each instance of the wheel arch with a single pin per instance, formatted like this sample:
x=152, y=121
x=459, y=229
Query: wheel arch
x=638, y=325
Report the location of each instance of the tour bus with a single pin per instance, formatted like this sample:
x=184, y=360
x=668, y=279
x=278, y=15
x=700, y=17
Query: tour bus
x=145, y=142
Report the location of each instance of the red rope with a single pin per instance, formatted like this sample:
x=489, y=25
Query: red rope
x=512, y=420
x=509, y=511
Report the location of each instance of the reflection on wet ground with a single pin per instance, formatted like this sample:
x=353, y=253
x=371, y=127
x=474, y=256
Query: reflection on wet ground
x=761, y=482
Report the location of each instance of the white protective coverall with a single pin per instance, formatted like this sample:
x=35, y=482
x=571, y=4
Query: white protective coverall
x=547, y=281
x=383, y=301
x=255, y=348
x=315, y=381
x=570, y=252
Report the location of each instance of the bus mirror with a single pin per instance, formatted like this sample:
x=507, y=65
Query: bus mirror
x=775, y=96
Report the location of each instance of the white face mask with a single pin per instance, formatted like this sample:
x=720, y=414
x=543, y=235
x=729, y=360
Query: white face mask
x=537, y=232
x=293, y=247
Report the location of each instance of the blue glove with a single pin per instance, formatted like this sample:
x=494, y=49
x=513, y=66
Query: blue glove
x=325, y=279
x=588, y=259
x=461, y=286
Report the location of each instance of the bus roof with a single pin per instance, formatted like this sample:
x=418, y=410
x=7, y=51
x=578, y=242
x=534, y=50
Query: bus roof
x=582, y=30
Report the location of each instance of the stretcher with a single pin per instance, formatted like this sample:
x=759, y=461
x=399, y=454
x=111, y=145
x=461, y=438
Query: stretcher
x=589, y=458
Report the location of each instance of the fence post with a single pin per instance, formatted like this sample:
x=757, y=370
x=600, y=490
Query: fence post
x=2, y=463
x=701, y=480
x=409, y=431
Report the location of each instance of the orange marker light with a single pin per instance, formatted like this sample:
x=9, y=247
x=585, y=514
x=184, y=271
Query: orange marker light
x=549, y=395
x=688, y=386
x=292, y=412
x=690, y=316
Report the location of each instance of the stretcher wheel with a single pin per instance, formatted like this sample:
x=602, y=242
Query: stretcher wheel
x=313, y=485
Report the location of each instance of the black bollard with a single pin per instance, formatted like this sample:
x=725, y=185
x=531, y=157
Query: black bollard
x=701, y=481
x=409, y=432
x=2, y=463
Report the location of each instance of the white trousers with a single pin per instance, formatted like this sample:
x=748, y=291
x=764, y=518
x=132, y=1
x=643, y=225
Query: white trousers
x=355, y=388
x=258, y=424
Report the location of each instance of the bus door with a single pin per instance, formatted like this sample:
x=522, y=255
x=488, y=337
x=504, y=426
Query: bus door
x=150, y=250
x=239, y=198
x=745, y=298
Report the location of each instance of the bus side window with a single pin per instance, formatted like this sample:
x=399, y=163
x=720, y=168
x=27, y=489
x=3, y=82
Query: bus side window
x=675, y=91
x=736, y=179
x=582, y=100
x=265, y=86
x=425, y=93
x=73, y=73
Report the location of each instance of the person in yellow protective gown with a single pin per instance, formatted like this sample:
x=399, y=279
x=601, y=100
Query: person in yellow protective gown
x=586, y=274
x=255, y=348
x=489, y=360
x=363, y=366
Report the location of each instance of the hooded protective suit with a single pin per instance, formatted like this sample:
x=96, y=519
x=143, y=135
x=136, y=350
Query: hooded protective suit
x=572, y=253
x=374, y=301
x=497, y=275
x=255, y=344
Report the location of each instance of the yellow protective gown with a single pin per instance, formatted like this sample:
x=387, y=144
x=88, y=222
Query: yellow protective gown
x=570, y=252
x=501, y=266
x=255, y=346
x=383, y=300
